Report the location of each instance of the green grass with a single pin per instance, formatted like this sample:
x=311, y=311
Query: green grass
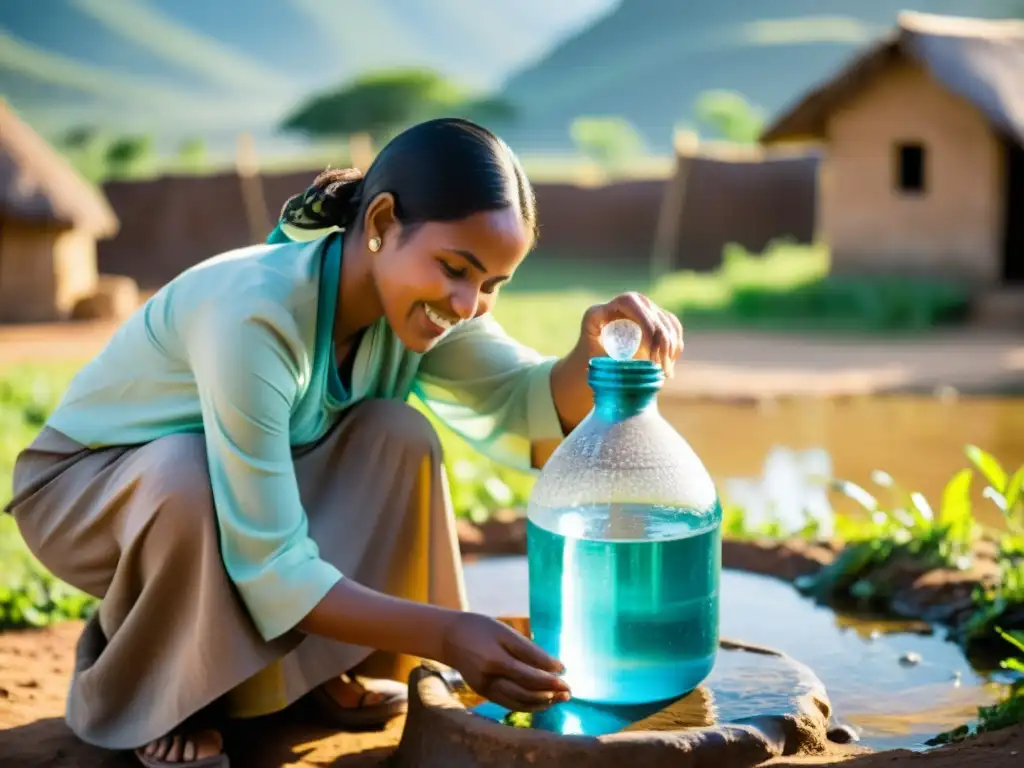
x=29, y=595
x=789, y=287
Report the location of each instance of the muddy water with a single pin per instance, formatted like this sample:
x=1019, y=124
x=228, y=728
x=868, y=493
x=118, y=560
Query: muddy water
x=890, y=703
x=918, y=440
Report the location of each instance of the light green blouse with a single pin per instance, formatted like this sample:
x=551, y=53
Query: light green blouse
x=239, y=348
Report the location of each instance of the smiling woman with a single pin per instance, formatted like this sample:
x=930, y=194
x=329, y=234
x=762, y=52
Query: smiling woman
x=238, y=474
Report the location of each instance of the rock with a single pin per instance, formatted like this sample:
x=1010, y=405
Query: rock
x=723, y=723
x=788, y=559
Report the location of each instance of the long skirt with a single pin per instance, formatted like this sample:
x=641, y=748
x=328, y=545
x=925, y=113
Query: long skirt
x=135, y=526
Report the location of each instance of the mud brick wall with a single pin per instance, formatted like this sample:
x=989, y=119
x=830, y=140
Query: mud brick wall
x=173, y=222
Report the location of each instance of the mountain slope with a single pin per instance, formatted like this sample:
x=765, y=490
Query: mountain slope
x=184, y=67
x=649, y=59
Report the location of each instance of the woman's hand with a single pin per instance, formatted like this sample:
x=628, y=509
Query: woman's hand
x=503, y=665
x=662, y=332
x=662, y=343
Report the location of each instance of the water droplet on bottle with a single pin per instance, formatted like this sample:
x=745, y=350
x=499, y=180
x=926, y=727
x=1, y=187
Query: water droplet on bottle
x=621, y=339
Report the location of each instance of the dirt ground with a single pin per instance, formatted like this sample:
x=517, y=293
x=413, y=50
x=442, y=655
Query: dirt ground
x=35, y=668
x=721, y=364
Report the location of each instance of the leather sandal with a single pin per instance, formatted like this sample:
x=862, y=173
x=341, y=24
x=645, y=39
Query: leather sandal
x=212, y=761
x=394, y=702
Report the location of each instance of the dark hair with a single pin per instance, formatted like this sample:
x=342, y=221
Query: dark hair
x=439, y=170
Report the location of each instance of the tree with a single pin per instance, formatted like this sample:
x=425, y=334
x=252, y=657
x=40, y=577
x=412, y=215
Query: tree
x=129, y=156
x=608, y=141
x=85, y=147
x=384, y=103
x=192, y=155
x=730, y=116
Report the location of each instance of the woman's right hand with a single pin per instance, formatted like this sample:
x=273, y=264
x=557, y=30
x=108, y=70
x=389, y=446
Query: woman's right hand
x=503, y=665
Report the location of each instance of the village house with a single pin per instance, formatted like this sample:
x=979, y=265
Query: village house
x=923, y=165
x=50, y=220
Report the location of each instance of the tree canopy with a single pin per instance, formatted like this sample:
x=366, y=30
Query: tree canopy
x=384, y=103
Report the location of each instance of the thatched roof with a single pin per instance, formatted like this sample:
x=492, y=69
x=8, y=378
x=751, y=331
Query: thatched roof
x=980, y=60
x=38, y=185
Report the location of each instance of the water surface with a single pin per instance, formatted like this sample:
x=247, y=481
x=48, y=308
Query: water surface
x=891, y=703
x=918, y=440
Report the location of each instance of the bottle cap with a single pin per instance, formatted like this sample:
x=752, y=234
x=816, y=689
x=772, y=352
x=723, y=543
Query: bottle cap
x=621, y=339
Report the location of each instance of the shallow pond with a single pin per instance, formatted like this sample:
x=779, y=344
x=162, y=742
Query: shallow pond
x=917, y=440
x=891, y=704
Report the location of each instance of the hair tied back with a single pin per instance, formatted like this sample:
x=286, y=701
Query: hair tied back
x=332, y=200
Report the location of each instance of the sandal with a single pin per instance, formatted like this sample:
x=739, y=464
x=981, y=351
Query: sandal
x=151, y=761
x=394, y=702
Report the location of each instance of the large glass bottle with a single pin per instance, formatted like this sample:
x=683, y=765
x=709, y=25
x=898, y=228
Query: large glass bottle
x=624, y=547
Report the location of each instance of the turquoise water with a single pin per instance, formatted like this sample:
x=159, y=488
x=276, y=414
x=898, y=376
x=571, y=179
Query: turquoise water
x=633, y=619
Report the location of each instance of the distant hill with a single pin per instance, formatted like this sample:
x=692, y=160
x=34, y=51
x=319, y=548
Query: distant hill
x=184, y=67
x=649, y=59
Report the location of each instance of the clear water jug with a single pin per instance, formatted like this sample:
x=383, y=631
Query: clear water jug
x=624, y=547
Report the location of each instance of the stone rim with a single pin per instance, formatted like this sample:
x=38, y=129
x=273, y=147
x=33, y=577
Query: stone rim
x=441, y=730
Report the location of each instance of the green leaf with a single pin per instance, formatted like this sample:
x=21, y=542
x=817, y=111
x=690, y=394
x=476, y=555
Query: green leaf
x=1014, y=489
x=1016, y=639
x=857, y=493
x=988, y=466
x=956, y=514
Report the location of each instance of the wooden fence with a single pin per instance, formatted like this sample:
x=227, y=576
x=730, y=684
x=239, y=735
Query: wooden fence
x=171, y=223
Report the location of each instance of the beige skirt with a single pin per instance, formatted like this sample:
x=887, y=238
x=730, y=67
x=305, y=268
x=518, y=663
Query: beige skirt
x=135, y=526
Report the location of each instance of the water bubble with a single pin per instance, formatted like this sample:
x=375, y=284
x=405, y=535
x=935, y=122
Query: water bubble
x=621, y=339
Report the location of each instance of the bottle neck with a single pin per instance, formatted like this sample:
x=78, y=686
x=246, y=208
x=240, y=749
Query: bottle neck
x=624, y=388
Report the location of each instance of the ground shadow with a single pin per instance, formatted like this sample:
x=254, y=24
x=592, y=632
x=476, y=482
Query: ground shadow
x=284, y=740
x=50, y=743
x=268, y=743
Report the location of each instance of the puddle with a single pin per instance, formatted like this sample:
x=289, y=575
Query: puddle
x=891, y=704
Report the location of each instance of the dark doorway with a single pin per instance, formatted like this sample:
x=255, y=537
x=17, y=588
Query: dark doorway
x=1013, y=217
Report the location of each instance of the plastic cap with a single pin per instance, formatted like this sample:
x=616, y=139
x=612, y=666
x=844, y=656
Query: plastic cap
x=621, y=339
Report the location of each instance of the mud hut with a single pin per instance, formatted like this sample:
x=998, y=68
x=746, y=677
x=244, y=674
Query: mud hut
x=50, y=220
x=923, y=162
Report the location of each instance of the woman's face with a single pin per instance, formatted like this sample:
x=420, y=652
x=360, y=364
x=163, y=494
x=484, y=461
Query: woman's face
x=445, y=273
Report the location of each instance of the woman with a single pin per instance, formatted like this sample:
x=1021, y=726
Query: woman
x=238, y=476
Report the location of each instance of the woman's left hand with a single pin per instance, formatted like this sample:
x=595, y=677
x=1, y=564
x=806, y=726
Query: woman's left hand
x=662, y=332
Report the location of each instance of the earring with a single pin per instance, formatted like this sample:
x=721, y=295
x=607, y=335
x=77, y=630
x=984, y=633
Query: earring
x=374, y=244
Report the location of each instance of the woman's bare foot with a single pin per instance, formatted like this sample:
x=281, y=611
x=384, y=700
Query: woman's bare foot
x=348, y=692
x=184, y=748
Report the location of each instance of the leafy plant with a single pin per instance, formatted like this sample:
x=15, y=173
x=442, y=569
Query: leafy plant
x=1005, y=713
x=906, y=530
x=1006, y=598
x=36, y=598
x=1005, y=490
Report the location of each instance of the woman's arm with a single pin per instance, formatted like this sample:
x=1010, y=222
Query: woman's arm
x=245, y=365
x=355, y=614
x=491, y=390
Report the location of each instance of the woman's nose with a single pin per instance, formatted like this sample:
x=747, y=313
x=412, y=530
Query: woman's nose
x=464, y=303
